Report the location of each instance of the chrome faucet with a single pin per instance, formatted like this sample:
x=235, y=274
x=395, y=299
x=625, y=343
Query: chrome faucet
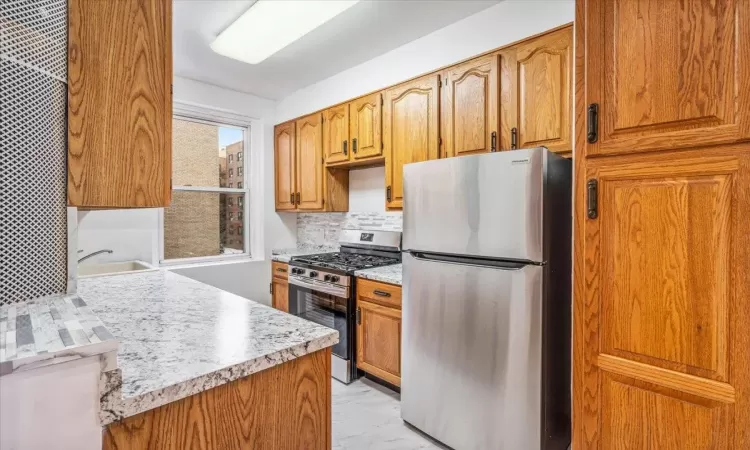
x=93, y=254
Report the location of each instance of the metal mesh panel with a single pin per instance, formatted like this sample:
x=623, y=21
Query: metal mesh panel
x=33, y=133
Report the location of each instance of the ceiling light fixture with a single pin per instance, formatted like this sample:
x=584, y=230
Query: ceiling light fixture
x=270, y=25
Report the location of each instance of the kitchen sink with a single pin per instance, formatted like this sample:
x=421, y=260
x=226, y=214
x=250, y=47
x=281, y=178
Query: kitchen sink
x=116, y=268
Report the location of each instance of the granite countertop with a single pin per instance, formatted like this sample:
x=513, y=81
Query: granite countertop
x=387, y=274
x=50, y=330
x=179, y=337
x=285, y=255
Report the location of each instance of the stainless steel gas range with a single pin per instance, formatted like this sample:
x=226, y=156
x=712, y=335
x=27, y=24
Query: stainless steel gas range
x=322, y=288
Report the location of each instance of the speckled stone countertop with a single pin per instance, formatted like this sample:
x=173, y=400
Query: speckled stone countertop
x=387, y=274
x=285, y=254
x=179, y=337
x=49, y=330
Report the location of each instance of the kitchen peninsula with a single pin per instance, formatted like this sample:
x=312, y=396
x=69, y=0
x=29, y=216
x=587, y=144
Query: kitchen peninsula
x=199, y=367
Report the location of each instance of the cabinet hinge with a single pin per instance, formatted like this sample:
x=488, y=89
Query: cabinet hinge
x=270, y=288
x=359, y=316
x=592, y=207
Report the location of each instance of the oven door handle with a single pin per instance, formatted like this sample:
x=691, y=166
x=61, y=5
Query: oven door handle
x=325, y=288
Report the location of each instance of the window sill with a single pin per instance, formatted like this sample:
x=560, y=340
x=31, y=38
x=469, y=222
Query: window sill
x=208, y=263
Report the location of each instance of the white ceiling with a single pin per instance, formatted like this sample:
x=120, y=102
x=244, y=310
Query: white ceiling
x=368, y=29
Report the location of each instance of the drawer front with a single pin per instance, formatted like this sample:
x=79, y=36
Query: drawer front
x=379, y=293
x=280, y=270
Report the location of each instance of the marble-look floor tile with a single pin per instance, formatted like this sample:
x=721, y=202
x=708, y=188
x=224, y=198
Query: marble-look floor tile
x=367, y=416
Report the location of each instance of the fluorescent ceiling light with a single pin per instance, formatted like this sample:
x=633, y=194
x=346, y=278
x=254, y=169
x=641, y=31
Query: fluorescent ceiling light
x=270, y=25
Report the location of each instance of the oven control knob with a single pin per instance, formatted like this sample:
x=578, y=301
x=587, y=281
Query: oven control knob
x=312, y=274
x=334, y=278
x=295, y=271
x=327, y=278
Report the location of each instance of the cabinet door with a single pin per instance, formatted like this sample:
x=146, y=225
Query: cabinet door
x=366, y=126
x=280, y=294
x=379, y=341
x=284, y=165
x=661, y=358
x=310, y=162
x=540, y=105
x=667, y=75
x=410, y=131
x=119, y=104
x=468, y=110
x=336, y=134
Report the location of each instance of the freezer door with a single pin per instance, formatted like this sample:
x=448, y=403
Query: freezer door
x=471, y=353
x=484, y=205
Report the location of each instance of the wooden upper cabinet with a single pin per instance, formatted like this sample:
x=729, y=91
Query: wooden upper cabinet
x=537, y=95
x=666, y=334
x=336, y=134
x=365, y=126
x=284, y=165
x=310, y=185
x=667, y=75
x=410, y=130
x=119, y=103
x=469, y=107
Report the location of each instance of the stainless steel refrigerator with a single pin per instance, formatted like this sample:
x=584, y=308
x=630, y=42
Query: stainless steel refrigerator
x=486, y=300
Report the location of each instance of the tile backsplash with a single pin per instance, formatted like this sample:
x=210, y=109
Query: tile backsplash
x=324, y=228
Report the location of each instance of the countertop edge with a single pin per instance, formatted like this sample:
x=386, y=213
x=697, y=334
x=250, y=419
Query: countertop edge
x=114, y=407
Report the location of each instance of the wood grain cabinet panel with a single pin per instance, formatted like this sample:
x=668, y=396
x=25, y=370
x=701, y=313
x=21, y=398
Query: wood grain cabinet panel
x=379, y=341
x=280, y=294
x=310, y=162
x=668, y=75
x=366, y=124
x=284, y=166
x=662, y=304
x=538, y=109
x=469, y=107
x=119, y=104
x=410, y=130
x=336, y=134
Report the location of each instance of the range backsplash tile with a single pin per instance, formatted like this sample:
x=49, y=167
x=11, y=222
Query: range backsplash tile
x=324, y=228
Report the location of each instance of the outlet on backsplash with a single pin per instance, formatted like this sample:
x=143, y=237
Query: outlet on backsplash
x=324, y=228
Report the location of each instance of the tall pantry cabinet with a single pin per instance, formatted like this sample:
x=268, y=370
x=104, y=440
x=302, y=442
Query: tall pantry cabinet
x=662, y=228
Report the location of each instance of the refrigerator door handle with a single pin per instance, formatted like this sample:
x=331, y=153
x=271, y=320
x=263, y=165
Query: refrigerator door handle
x=471, y=261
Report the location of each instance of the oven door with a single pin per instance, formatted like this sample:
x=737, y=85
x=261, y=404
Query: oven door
x=324, y=304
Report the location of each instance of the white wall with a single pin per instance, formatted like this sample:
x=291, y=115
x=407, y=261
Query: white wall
x=367, y=190
x=502, y=24
x=130, y=232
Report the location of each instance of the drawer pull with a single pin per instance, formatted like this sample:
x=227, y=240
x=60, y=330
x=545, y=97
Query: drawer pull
x=279, y=269
x=382, y=293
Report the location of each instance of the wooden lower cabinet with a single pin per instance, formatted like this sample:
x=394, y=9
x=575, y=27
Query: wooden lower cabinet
x=280, y=286
x=284, y=407
x=379, y=330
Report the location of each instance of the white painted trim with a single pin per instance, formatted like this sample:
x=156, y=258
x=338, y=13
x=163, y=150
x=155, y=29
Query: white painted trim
x=216, y=189
x=204, y=259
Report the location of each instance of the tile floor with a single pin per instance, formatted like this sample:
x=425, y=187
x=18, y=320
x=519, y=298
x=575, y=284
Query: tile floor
x=367, y=416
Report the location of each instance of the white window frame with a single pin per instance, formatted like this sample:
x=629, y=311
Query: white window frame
x=210, y=116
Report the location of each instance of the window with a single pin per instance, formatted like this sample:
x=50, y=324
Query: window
x=239, y=156
x=196, y=225
x=239, y=171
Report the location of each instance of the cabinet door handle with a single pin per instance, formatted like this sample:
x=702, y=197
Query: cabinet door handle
x=291, y=198
x=493, y=144
x=592, y=134
x=344, y=146
x=388, y=193
x=279, y=269
x=514, y=138
x=354, y=145
x=359, y=316
x=382, y=293
x=297, y=198
x=592, y=203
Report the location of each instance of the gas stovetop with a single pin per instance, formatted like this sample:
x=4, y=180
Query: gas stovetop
x=345, y=261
